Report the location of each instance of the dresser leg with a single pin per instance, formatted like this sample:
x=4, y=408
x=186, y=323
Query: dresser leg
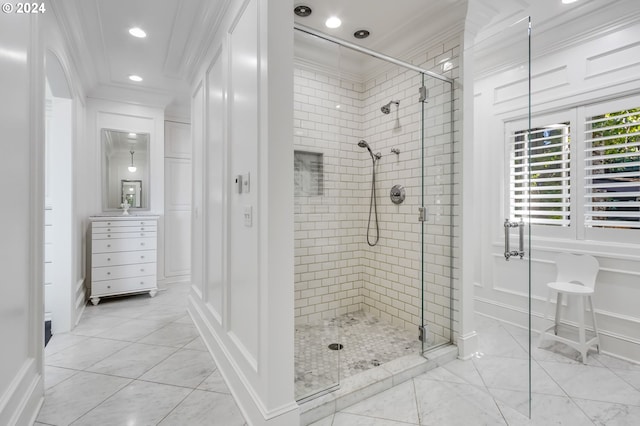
x=95, y=300
x=152, y=293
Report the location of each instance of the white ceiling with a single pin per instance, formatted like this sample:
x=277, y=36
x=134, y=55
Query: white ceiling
x=177, y=31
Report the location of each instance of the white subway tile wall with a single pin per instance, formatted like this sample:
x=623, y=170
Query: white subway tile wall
x=336, y=270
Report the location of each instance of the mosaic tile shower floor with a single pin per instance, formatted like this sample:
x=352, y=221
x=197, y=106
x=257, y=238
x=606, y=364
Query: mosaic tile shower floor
x=368, y=342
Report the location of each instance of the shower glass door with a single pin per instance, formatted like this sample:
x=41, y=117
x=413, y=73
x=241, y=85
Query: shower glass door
x=512, y=192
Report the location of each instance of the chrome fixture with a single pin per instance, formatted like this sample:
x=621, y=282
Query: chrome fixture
x=397, y=194
x=132, y=168
x=373, y=206
x=395, y=151
x=302, y=10
x=507, y=252
x=361, y=34
x=374, y=157
x=424, y=94
x=386, y=108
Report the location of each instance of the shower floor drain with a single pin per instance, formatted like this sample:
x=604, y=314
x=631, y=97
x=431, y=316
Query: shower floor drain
x=336, y=346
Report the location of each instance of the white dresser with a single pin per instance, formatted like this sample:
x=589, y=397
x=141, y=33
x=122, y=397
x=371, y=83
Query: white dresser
x=123, y=252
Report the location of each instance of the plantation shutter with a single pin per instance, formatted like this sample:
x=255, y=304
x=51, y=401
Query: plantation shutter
x=612, y=170
x=540, y=180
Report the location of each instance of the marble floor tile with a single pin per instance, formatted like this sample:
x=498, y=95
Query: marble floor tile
x=97, y=325
x=139, y=403
x=186, y=319
x=62, y=341
x=545, y=409
x=609, y=414
x=214, y=383
x=167, y=313
x=197, y=344
x=347, y=419
x=497, y=341
x=77, y=395
x=513, y=374
x=176, y=335
x=184, y=368
x=466, y=370
x=397, y=403
x=202, y=408
x=615, y=363
x=54, y=375
x=592, y=383
x=132, y=361
x=85, y=354
x=133, y=330
x=630, y=376
x=440, y=403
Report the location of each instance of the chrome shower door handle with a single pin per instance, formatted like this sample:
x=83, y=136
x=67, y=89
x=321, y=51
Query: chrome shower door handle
x=507, y=247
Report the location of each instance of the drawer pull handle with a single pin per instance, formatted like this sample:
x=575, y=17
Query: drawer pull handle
x=141, y=223
x=141, y=244
x=108, y=229
x=142, y=234
x=141, y=270
x=142, y=229
x=108, y=286
x=108, y=245
x=108, y=235
x=108, y=223
x=141, y=282
x=108, y=259
x=141, y=257
x=108, y=273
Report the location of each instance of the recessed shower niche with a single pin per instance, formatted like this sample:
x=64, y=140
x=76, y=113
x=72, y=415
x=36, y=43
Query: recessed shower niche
x=372, y=299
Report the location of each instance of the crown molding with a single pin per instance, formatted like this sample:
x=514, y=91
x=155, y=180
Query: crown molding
x=69, y=23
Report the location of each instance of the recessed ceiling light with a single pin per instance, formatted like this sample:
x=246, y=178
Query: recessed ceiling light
x=302, y=10
x=136, y=78
x=568, y=1
x=137, y=32
x=333, y=22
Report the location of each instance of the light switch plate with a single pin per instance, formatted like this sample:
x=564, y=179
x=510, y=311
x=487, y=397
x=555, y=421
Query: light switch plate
x=248, y=216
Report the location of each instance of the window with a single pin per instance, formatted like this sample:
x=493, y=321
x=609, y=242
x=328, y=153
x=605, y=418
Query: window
x=612, y=170
x=540, y=175
x=308, y=174
x=582, y=183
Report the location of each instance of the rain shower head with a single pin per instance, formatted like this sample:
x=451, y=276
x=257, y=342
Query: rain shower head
x=386, y=108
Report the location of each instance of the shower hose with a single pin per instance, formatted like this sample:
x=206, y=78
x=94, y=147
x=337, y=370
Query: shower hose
x=373, y=206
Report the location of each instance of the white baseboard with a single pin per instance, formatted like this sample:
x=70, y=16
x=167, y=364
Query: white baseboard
x=21, y=401
x=245, y=396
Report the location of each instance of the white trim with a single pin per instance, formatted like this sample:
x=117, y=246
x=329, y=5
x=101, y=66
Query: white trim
x=248, y=401
x=20, y=403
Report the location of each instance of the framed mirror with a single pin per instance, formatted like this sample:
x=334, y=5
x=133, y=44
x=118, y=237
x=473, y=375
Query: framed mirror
x=125, y=169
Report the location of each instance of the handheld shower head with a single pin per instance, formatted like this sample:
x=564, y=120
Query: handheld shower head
x=386, y=108
x=364, y=144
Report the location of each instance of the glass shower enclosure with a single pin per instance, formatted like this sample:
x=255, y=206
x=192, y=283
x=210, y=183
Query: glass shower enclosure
x=375, y=154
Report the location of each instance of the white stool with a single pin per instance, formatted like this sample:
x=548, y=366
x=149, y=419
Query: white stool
x=576, y=276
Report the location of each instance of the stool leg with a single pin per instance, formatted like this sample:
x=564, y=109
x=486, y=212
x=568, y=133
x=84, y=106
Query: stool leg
x=546, y=317
x=583, y=344
x=595, y=326
x=558, y=310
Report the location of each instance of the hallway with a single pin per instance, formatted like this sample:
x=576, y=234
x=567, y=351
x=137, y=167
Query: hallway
x=135, y=361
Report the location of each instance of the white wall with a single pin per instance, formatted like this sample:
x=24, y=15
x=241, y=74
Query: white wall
x=242, y=275
x=178, y=176
x=103, y=114
x=21, y=217
x=596, y=64
x=72, y=182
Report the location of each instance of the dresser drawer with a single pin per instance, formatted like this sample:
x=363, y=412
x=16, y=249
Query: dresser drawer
x=130, y=244
x=124, y=228
x=113, y=235
x=122, y=271
x=123, y=258
x=122, y=223
x=124, y=285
